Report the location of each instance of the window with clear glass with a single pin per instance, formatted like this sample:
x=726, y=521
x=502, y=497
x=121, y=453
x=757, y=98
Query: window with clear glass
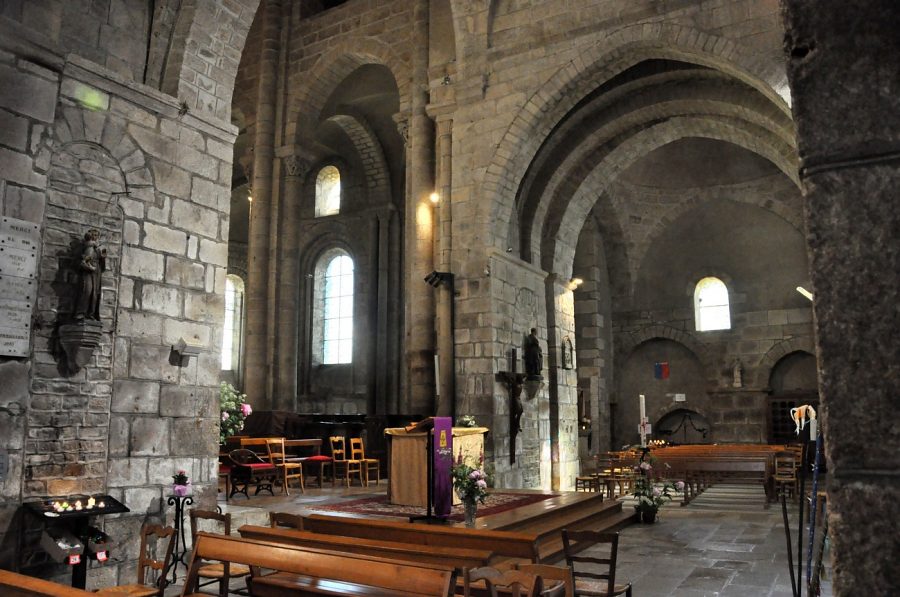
x=711, y=310
x=234, y=316
x=328, y=191
x=336, y=293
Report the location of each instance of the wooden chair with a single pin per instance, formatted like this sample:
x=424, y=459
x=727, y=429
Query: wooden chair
x=596, y=584
x=339, y=458
x=358, y=452
x=558, y=581
x=219, y=572
x=513, y=582
x=785, y=475
x=285, y=519
x=151, y=535
x=287, y=470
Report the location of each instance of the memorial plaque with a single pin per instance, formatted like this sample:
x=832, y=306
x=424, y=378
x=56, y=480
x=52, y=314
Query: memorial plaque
x=17, y=262
x=19, y=241
x=18, y=289
x=19, y=234
x=15, y=314
x=14, y=342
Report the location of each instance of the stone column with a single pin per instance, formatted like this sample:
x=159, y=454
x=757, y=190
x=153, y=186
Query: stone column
x=446, y=403
x=257, y=352
x=843, y=70
x=418, y=298
x=295, y=169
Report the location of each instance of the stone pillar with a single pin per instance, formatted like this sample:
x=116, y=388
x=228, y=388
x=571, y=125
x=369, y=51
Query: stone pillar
x=258, y=296
x=562, y=385
x=843, y=70
x=446, y=402
x=295, y=169
x=419, y=299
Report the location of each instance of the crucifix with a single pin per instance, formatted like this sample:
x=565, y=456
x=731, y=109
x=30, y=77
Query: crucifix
x=513, y=381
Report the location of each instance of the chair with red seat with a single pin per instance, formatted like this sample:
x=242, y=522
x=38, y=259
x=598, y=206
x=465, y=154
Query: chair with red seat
x=249, y=469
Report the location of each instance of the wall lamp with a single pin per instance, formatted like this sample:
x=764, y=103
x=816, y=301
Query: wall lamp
x=435, y=278
x=805, y=292
x=435, y=197
x=575, y=283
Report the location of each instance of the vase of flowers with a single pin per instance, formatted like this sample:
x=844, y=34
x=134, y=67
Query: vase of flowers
x=470, y=484
x=234, y=409
x=650, y=493
x=181, y=485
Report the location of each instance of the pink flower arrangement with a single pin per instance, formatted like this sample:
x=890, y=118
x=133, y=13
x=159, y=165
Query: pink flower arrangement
x=245, y=408
x=650, y=496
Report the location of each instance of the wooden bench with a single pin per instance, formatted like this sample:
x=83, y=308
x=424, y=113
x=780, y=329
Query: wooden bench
x=312, y=571
x=461, y=559
x=13, y=584
x=701, y=470
x=503, y=544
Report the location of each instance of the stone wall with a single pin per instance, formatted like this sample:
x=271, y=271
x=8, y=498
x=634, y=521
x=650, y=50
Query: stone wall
x=85, y=148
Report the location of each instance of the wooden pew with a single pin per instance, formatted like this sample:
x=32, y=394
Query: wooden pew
x=302, y=570
x=504, y=544
x=13, y=584
x=460, y=558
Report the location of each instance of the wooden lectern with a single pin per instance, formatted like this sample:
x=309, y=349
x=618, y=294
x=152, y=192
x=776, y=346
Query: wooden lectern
x=408, y=461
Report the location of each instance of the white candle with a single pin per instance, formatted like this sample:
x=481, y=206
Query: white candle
x=642, y=421
x=643, y=408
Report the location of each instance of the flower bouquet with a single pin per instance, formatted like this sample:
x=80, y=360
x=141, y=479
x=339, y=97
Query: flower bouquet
x=651, y=495
x=470, y=484
x=180, y=483
x=234, y=409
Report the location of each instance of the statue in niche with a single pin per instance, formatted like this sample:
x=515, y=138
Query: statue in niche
x=737, y=372
x=534, y=358
x=568, y=360
x=90, y=268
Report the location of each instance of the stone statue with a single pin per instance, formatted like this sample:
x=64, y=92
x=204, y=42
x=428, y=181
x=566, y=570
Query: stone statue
x=534, y=358
x=737, y=372
x=90, y=268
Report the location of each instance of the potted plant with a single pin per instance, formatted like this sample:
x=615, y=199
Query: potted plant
x=470, y=484
x=234, y=409
x=651, y=495
x=180, y=484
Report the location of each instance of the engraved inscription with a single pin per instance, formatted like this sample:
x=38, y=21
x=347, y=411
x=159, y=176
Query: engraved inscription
x=14, y=342
x=18, y=289
x=15, y=314
x=17, y=262
x=19, y=234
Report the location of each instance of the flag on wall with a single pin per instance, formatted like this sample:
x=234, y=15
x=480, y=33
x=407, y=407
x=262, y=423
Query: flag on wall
x=661, y=370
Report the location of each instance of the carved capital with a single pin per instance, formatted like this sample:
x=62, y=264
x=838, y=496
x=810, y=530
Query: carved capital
x=296, y=166
x=401, y=119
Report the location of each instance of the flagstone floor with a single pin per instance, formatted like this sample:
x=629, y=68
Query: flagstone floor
x=722, y=545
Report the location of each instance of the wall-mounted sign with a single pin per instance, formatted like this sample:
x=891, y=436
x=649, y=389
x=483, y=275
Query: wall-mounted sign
x=19, y=242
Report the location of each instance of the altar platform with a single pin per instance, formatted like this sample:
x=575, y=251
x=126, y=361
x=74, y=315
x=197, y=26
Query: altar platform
x=533, y=511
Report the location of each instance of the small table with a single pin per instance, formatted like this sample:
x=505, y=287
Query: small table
x=179, y=501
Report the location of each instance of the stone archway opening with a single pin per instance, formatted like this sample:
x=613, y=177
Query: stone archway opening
x=683, y=426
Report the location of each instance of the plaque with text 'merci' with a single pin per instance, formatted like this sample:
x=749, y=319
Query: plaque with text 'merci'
x=19, y=241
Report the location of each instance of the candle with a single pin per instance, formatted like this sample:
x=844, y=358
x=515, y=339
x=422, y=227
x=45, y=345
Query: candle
x=90, y=503
x=643, y=421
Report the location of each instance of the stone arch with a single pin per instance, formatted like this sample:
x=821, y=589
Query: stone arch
x=777, y=352
x=201, y=73
x=660, y=413
x=333, y=67
x=559, y=237
x=609, y=56
x=370, y=152
x=627, y=342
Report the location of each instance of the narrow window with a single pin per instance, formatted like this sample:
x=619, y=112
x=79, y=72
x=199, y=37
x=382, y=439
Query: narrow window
x=234, y=316
x=334, y=333
x=711, y=310
x=328, y=191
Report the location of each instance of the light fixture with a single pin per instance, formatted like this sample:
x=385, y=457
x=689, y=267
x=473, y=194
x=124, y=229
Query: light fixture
x=435, y=278
x=435, y=197
x=805, y=292
x=575, y=283
x=250, y=198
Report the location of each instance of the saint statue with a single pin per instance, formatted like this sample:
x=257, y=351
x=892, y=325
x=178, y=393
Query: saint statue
x=534, y=358
x=90, y=268
x=737, y=373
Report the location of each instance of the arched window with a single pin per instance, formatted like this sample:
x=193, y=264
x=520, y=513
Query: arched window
x=234, y=317
x=711, y=310
x=328, y=191
x=333, y=317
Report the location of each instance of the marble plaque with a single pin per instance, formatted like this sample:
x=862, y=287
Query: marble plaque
x=17, y=262
x=19, y=234
x=13, y=288
x=14, y=342
x=15, y=314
